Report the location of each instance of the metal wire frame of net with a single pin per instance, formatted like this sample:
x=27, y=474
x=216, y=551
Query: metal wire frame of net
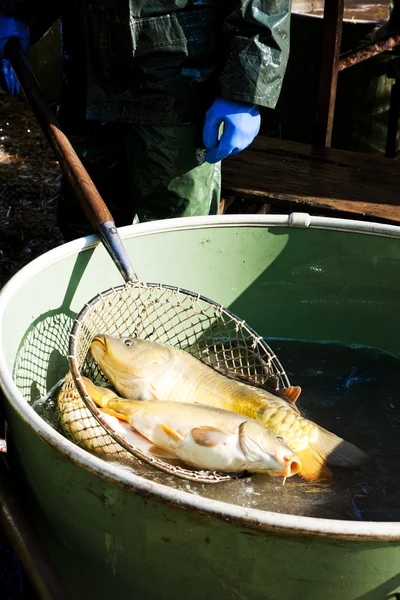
x=180, y=318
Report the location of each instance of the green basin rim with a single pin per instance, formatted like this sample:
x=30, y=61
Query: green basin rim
x=245, y=517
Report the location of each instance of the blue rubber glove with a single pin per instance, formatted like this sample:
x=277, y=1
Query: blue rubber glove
x=241, y=125
x=8, y=79
x=11, y=28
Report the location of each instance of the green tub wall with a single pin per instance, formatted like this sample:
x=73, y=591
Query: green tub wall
x=107, y=540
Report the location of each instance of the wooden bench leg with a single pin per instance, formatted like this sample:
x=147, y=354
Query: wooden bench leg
x=330, y=56
x=225, y=203
x=392, y=139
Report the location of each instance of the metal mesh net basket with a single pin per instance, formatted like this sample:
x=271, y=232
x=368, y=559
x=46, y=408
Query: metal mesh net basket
x=79, y=425
x=179, y=318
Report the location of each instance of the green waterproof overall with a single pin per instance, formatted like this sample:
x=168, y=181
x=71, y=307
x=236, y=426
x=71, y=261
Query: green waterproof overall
x=138, y=77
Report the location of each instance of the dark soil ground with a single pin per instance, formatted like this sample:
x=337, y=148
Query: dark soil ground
x=29, y=182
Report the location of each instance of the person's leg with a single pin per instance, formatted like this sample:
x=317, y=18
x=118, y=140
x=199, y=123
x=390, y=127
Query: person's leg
x=168, y=175
x=99, y=147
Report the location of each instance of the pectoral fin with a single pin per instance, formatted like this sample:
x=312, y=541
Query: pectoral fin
x=209, y=436
x=172, y=433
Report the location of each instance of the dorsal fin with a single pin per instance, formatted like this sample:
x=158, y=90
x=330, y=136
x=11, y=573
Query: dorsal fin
x=291, y=393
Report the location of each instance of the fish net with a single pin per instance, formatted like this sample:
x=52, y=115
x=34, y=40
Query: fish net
x=179, y=318
x=80, y=426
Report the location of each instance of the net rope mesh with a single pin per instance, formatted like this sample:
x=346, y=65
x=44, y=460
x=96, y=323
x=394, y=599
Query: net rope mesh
x=45, y=343
x=81, y=427
x=170, y=316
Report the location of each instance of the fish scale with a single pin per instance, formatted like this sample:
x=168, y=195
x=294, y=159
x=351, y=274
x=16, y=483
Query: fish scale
x=212, y=389
x=203, y=437
x=177, y=376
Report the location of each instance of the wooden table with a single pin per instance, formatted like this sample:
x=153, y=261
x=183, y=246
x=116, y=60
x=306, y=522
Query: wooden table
x=316, y=180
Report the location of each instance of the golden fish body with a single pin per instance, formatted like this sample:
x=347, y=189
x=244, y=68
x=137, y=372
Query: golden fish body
x=202, y=437
x=143, y=370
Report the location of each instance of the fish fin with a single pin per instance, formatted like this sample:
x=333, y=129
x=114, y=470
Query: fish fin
x=208, y=436
x=172, y=433
x=336, y=451
x=312, y=468
x=332, y=449
x=100, y=395
x=114, y=413
x=291, y=393
x=161, y=452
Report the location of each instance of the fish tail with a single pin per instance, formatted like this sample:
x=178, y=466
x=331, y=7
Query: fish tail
x=100, y=395
x=313, y=467
x=115, y=413
x=109, y=401
x=335, y=451
x=328, y=449
x=121, y=406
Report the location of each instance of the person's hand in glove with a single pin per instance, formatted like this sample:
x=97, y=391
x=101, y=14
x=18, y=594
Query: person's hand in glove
x=8, y=79
x=11, y=28
x=241, y=125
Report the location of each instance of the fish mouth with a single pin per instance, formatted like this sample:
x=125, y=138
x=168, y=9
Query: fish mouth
x=99, y=343
x=293, y=466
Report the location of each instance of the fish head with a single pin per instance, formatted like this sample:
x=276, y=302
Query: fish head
x=129, y=357
x=267, y=451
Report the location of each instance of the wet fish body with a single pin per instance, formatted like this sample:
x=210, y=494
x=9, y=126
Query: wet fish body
x=202, y=437
x=143, y=370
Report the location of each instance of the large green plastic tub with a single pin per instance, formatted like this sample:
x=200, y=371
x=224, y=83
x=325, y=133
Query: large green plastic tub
x=113, y=534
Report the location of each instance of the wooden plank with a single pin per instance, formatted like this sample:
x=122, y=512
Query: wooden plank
x=320, y=178
x=330, y=55
x=374, y=212
x=349, y=159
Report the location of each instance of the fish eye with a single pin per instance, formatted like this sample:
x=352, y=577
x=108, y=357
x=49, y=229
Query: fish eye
x=280, y=438
x=128, y=342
